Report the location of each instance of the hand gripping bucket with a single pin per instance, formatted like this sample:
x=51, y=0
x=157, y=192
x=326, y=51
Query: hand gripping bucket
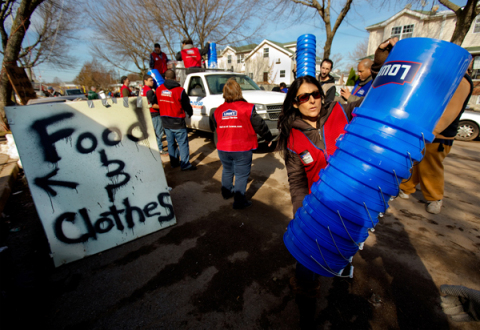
x=379, y=147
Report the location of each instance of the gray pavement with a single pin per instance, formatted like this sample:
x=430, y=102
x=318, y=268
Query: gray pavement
x=223, y=268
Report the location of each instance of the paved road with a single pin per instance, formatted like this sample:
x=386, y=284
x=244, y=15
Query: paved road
x=221, y=268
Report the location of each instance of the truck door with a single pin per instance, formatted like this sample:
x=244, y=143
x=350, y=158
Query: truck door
x=196, y=93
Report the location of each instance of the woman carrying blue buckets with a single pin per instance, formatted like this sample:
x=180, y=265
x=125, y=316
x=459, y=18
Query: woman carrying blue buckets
x=344, y=164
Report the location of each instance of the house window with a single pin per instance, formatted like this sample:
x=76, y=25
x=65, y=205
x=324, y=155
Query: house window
x=476, y=28
x=265, y=52
x=278, y=61
x=265, y=76
x=229, y=59
x=240, y=58
x=282, y=73
x=403, y=32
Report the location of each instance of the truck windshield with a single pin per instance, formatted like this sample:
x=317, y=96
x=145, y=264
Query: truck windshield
x=73, y=92
x=216, y=82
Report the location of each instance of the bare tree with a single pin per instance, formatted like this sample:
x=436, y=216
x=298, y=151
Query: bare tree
x=124, y=34
x=20, y=12
x=323, y=9
x=465, y=14
x=53, y=27
x=95, y=74
x=465, y=17
x=337, y=59
x=221, y=21
x=359, y=52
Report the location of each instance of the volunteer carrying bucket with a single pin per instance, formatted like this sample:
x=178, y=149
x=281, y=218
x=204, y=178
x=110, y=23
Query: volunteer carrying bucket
x=386, y=136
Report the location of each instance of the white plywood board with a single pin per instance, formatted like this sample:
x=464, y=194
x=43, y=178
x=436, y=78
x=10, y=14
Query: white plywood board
x=94, y=171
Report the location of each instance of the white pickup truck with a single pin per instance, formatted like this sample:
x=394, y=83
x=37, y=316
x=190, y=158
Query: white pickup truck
x=205, y=90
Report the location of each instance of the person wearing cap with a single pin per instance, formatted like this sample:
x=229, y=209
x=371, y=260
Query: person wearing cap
x=158, y=60
x=191, y=56
x=52, y=92
x=125, y=91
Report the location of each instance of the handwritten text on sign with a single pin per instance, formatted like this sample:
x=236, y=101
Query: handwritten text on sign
x=95, y=174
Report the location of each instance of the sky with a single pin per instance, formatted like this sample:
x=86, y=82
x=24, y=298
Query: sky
x=351, y=32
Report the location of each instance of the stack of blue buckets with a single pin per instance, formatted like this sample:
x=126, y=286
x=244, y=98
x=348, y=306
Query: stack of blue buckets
x=306, y=49
x=212, y=56
x=157, y=78
x=383, y=141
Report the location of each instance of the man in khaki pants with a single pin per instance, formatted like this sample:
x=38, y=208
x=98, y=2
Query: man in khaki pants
x=429, y=172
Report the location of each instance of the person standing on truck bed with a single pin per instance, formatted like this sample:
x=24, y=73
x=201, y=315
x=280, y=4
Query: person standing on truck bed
x=158, y=60
x=237, y=126
x=174, y=103
x=191, y=56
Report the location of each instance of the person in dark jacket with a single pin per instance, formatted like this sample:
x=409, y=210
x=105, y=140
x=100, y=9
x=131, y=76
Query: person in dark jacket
x=174, y=105
x=237, y=126
x=158, y=60
x=363, y=83
x=305, y=148
x=327, y=81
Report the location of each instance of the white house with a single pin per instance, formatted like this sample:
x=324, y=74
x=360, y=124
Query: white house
x=268, y=62
x=428, y=24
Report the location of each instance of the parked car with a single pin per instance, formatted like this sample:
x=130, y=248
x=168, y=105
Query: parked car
x=468, y=126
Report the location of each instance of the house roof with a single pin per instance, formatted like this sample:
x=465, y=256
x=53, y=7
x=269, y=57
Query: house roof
x=421, y=14
x=473, y=50
x=280, y=46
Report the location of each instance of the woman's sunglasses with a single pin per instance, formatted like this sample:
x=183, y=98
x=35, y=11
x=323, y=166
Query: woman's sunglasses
x=302, y=98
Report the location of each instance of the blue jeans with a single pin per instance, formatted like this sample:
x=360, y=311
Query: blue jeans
x=158, y=127
x=181, y=138
x=236, y=164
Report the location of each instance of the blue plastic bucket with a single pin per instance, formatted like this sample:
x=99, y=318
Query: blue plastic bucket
x=377, y=150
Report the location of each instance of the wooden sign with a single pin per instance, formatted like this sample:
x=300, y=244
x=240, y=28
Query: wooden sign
x=20, y=82
x=94, y=171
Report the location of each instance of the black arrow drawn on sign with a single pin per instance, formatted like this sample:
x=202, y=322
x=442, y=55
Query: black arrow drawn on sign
x=45, y=183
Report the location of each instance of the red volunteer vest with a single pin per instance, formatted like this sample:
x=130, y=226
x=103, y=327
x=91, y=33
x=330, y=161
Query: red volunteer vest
x=160, y=62
x=191, y=57
x=313, y=158
x=144, y=93
x=122, y=88
x=169, y=101
x=234, y=128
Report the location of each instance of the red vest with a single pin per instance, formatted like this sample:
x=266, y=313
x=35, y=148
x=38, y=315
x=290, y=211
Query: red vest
x=144, y=93
x=234, y=128
x=313, y=158
x=191, y=58
x=169, y=101
x=160, y=62
x=122, y=88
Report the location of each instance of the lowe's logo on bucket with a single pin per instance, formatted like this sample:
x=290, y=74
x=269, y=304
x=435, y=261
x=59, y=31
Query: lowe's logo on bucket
x=229, y=114
x=396, y=72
